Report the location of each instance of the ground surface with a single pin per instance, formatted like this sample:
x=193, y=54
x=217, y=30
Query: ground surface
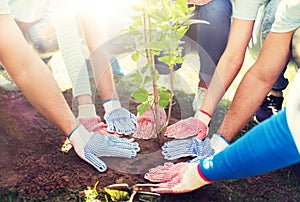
x=32, y=167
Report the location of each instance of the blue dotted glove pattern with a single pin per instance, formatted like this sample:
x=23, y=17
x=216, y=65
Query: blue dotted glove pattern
x=103, y=145
x=189, y=147
x=120, y=120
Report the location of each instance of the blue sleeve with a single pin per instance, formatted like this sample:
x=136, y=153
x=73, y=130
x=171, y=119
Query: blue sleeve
x=266, y=147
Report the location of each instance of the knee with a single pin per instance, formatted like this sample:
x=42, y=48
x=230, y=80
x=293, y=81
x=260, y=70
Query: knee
x=43, y=39
x=296, y=47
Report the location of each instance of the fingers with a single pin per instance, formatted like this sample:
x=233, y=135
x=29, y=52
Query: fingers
x=121, y=121
x=167, y=187
x=177, y=149
x=95, y=161
x=160, y=173
x=123, y=143
x=145, y=130
x=176, y=143
x=180, y=130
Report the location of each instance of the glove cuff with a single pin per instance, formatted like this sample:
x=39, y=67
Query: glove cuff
x=218, y=143
x=110, y=105
x=79, y=137
x=202, y=176
x=86, y=111
x=203, y=116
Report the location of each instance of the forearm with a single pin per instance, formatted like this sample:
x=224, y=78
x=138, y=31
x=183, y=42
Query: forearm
x=256, y=83
x=224, y=75
x=32, y=76
x=266, y=147
x=103, y=75
x=95, y=39
x=42, y=91
x=230, y=63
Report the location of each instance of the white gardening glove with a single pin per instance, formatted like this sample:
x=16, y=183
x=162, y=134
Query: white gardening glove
x=146, y=123
x=198, y=2
x=177, y=178
x=193, y=126
x=91, y=121
x=217, y=142
x=190, y=147
x=90, y=146
x=118, y=118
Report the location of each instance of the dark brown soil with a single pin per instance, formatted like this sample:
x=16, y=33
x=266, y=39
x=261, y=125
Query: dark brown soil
x=33, y=166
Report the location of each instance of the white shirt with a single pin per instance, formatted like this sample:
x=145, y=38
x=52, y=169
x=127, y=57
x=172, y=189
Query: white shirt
x=287, y=17
x=293, y=109
x=4, y=9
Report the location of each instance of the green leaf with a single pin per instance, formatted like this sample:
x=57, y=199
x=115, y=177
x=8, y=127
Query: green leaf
x=194, y=21
x=135, y=56
x=164, y=96
x=142, y=108
x=134, y=78
x=144, y=69
x=147, y=79
x=140, y=95
x=167, y=59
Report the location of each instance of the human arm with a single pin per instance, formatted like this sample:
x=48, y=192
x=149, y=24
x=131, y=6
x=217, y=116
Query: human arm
x=36, y=82
x=257, y=82
x=32, y=76
x=266, y=147
x=229, y=64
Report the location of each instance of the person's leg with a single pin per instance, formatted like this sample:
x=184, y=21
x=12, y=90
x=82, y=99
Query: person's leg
x=212, y=40
x=41, y=36
x=273, y=102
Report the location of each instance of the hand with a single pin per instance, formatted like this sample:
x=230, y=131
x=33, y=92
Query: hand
x=187, y=128
x=192, y=126
x=118, y=118
x=95, y=125
x=198, y=2
x=217, y=142
x=177, y=178
x=88, y=118
x=190, y=147
x=146, y=124
x=90, y=146
x=163, y=173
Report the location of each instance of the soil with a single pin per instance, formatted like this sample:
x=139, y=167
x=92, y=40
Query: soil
x=33, y=166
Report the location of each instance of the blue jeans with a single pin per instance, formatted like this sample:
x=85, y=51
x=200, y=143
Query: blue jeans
x=211, y=39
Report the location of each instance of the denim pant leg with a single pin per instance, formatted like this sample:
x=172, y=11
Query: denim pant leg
x=212, y=39
x=268, y=19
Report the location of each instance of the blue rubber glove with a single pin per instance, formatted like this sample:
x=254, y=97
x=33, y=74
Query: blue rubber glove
x=188, y=147
x=90, y=146
x=118, y=119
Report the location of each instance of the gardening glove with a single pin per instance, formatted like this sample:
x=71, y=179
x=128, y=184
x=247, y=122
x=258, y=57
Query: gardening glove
x=191, y=147
x=197, y=125
x=217, y=142
x=198, y=2
x=88, y=118
x=146, y=123
x=182, y=178
x=89, y=146
x=118, y=118
x=163, y=173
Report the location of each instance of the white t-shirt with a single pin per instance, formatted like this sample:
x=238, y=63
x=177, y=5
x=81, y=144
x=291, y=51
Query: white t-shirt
x=287, y=17
x=28, y=11
x=4, y=9
x=293, y=109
